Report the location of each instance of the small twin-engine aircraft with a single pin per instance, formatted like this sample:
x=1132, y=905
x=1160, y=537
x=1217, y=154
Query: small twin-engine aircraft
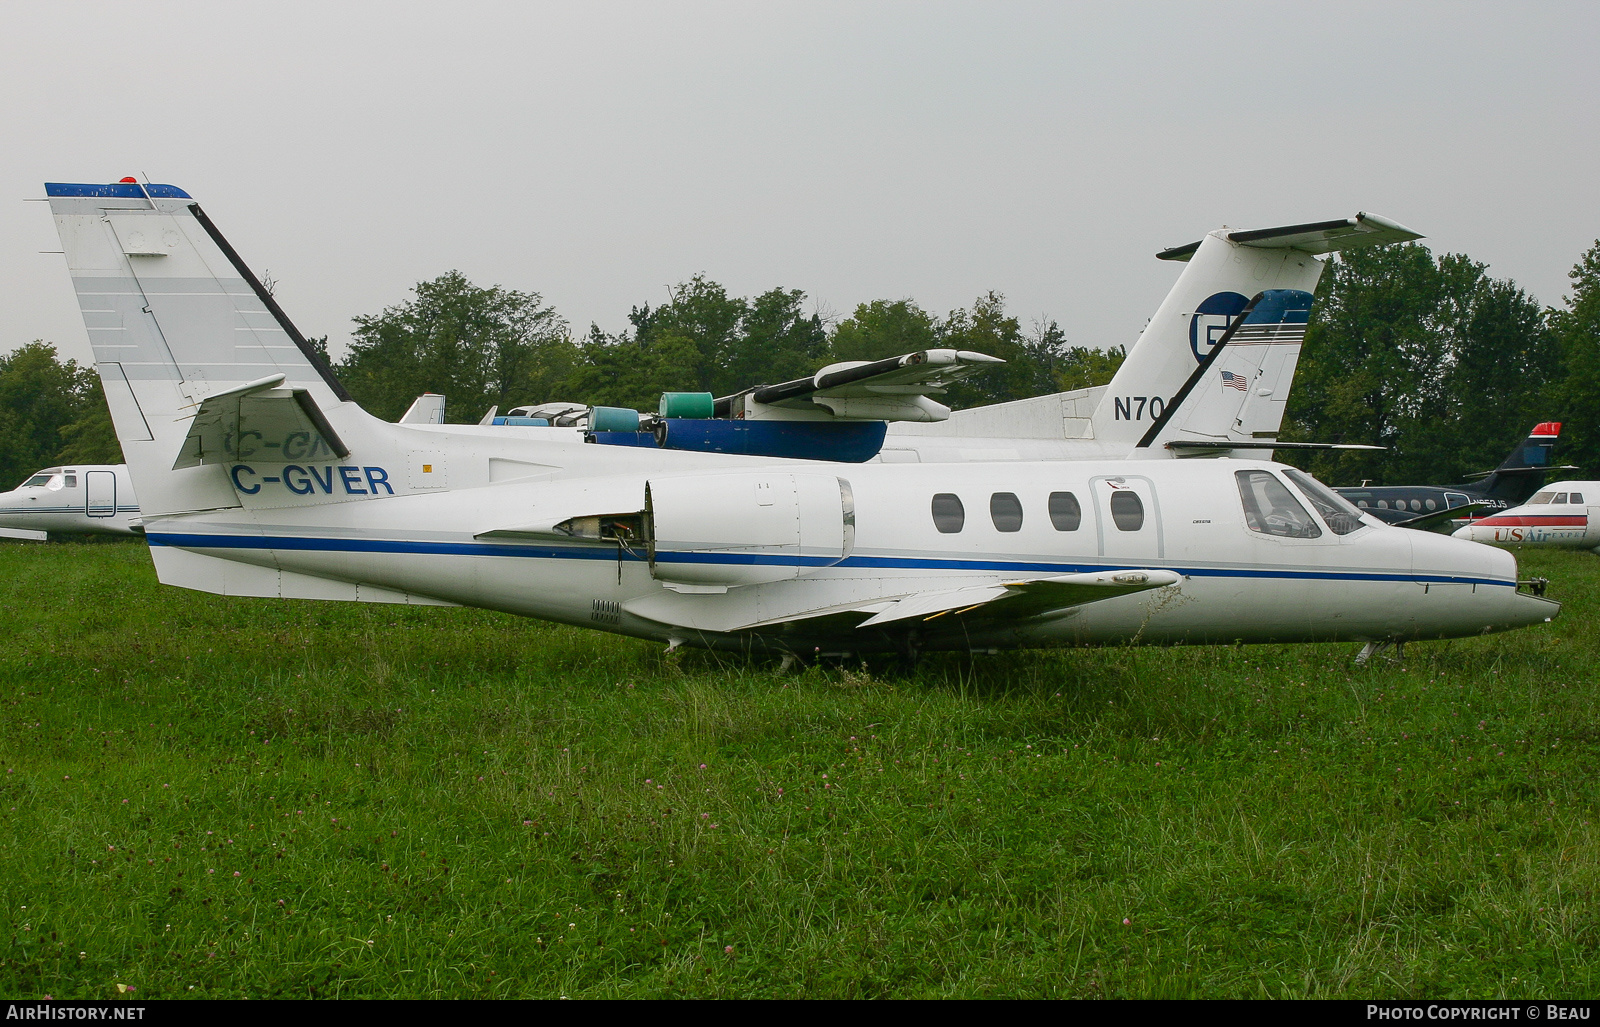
x=1565, y=515
x=1433, y=508
x=259, y=476
x=82, y=498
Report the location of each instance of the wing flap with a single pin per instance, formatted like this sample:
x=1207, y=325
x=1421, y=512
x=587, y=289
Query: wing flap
x=1053, y=593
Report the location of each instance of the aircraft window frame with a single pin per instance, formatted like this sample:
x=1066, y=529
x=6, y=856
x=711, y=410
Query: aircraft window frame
x=948, y=519
x=54, y=484
x=1131, y=515
x=35, y=481
x=1066, y=513
x=1006, y=520
x=1280, y=520
x=1335, y=510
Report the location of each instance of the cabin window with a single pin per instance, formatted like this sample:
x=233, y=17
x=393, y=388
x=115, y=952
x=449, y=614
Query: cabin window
x=1127, y=510
x=948, y=514
x=1336, y=511
x=1383, y=504
x=1416, y=506
x=1065, y=513
x=1429, y=504
x=1561, y=497
x=1576, y=497
x=1541, y=498
x=1363, y=504
x=1270, y=508
x=37, y=479
x=1005, y=510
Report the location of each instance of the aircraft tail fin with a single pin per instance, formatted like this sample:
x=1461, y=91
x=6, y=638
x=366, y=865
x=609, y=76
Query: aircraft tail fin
x=1223, y=272
x=1525, y=468
x=178, y=324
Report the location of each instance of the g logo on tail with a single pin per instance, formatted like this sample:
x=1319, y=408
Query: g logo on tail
x=1211, y=320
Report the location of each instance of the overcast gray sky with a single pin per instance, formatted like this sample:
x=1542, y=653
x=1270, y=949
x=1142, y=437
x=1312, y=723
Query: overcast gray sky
x=599, y=152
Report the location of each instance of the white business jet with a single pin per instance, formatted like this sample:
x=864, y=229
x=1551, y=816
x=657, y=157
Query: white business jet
x=82, y=498
x=260, y=477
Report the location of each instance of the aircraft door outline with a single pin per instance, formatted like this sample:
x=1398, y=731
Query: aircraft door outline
x=100, y=494
x=1145, y=542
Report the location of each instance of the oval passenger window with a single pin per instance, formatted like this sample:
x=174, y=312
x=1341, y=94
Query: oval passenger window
x=948, y=514
x=1127, y=511
x=1065, y=513
x=1005, y=509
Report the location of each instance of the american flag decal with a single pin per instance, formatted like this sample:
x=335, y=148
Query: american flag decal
x=1235, y=381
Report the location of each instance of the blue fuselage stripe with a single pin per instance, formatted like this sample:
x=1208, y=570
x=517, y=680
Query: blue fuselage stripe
x=537, y=552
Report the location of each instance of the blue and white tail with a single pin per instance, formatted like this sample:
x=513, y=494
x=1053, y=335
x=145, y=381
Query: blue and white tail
x=176, y=318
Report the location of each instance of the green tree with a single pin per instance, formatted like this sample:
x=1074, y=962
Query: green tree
x=1577, y=332
x=90, y=438
x=883, y=329
x=1427, y=356
x=478, y=346
x=39, y=396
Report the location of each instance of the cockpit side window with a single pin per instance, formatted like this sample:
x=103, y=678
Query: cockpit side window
x=1336, y=511
x=1575, y=498
x=70, y=481
x=1561, y=497
x=1270, y=508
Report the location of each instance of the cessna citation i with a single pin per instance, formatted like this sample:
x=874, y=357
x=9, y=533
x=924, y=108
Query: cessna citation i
x=259, y=476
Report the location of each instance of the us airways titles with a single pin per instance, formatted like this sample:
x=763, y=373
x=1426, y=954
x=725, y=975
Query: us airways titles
x=303, y=481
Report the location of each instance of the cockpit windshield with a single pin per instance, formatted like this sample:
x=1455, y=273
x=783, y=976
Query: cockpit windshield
x=1541, y=498
x=37, y=479
x=1334, y=508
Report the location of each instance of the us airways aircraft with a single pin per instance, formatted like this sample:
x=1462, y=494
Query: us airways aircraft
x=82, y=498
x=1565, y=515
x=260, y=477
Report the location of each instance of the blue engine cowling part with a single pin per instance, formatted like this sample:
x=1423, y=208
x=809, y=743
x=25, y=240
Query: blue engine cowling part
x=847, y=442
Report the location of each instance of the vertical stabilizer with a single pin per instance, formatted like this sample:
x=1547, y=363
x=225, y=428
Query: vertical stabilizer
x=174, y=316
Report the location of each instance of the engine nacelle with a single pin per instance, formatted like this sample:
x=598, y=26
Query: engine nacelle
x=749, y=527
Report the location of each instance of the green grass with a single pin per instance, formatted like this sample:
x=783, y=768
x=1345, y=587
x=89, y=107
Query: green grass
x=232, y=797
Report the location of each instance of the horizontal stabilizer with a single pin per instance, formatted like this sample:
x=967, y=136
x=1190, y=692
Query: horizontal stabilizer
x=1196, y=447
x=26, y=534
x=1053, y=593
x=259, y=421
x=1322, y=237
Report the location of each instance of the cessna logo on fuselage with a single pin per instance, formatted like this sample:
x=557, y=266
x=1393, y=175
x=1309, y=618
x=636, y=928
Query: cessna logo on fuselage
x=305, y=481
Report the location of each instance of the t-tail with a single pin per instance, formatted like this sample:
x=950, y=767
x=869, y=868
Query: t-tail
x=1525, y=468
x=1215, y=364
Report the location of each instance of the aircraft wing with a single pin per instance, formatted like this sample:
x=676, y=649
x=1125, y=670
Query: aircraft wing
x=734, y=611
x=258, y=419
x=1054, y=593
x=1321, y=237
x=1439, y=520
x=895, y=389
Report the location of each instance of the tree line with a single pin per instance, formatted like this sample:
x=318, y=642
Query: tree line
x=1426, y=355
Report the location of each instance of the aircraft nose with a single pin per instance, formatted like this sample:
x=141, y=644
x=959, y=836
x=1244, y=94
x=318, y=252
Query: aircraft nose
x=1476, y=586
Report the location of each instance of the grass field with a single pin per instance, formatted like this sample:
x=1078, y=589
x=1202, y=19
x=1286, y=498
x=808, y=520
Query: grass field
x=232, y=797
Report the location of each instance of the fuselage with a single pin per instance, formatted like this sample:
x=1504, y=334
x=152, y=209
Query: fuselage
x=1564, y=515
x=747, y=553
x=76, y=498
